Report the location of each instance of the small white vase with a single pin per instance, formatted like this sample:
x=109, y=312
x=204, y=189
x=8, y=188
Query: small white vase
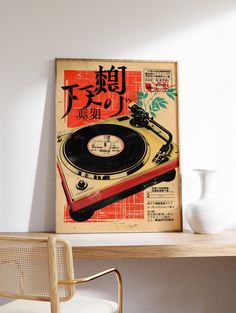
x=206, y=216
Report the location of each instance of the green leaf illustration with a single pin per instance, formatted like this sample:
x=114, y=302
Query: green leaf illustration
x=161, y=102
x=142, y=95
x=171, y=93
x=171, y=89
x=155, y=103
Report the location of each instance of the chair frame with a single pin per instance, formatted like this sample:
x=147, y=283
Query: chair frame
x=53, y=279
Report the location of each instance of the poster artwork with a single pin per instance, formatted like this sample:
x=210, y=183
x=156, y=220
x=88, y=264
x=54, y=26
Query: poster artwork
x=117, y=146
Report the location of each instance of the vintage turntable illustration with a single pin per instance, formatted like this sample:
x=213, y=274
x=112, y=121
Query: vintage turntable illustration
x=123, y=155
x=111, y=146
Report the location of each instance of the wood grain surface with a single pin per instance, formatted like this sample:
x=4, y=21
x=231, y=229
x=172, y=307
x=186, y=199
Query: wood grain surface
x=147, y=245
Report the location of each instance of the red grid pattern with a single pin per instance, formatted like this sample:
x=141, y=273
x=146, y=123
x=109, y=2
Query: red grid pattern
x=130, y=207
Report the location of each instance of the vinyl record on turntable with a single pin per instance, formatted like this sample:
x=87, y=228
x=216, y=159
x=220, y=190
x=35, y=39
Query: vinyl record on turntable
x=105, y=150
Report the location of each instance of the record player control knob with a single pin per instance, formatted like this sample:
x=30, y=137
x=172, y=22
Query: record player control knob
x=82, y=185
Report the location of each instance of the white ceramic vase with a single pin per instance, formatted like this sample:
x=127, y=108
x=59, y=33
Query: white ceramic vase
x=206, y=216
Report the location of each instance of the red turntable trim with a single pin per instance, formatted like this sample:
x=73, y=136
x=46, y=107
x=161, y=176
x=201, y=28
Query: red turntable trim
x=113, y=190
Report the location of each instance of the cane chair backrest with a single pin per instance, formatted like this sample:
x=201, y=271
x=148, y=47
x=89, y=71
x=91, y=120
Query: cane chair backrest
x=25, y=268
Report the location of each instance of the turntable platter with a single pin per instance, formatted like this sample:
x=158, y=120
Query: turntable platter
x=106, y=150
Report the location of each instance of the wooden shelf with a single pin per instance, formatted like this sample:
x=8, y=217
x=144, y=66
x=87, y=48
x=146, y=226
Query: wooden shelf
x=148, y=245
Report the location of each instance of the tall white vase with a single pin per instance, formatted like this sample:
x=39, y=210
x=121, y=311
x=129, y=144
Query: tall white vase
x=206, y=215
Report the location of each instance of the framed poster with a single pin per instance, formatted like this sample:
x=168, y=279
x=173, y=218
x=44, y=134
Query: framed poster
x=117, y=146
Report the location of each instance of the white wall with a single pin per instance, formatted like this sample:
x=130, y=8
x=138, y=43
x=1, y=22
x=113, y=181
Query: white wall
x=201, y=36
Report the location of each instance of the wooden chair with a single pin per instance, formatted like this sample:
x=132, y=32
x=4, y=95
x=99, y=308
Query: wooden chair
x=39, y=273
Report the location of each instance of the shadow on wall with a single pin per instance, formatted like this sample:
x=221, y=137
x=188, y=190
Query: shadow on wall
x=116, y=28
x=140, y=22
x=154, y=19
x=102, y=29
x=43, y=201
